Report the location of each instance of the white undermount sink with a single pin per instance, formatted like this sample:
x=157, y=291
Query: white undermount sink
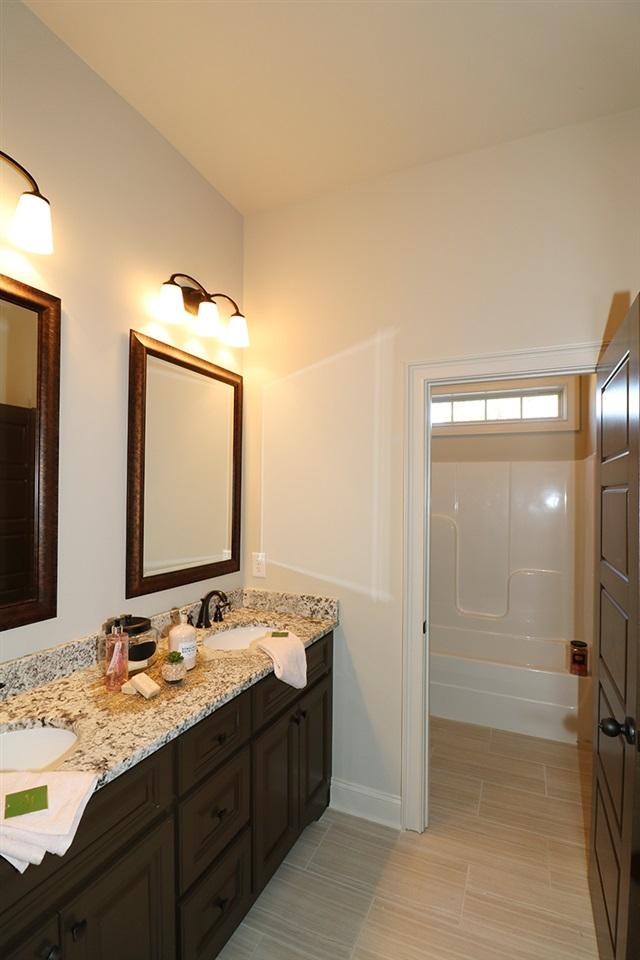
x=237, y=638
x=34, y=747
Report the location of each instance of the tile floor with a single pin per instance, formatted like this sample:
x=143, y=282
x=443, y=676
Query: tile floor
x=499, y=875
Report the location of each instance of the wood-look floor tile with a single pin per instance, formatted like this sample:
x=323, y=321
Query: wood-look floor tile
x=296, y=901
x=569, y=785
x=398, y=870
x=395, y=931
x=525, y=927
x=453, y=792
x=531, y=886
x=280, y=939
x=546, y=816
x=482, y=842
x=302, y=851
x=549, y=752
x=504, y=771
x=463, y=735
x=242, y=944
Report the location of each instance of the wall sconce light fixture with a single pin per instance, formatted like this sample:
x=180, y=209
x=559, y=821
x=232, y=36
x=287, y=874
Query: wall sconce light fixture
x=31, y=227
x=176, y=298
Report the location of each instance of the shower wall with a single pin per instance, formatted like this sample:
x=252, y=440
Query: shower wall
x=504, y=550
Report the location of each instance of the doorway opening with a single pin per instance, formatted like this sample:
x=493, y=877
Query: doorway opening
x=425, y=380
x=512, y=554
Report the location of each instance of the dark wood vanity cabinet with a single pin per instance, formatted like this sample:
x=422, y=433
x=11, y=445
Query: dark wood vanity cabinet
x=291, y=778
x=170, y=856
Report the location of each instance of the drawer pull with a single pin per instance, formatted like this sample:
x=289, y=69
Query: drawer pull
x=218, y=814
x=54, y=954
x=78, y=931
x=221, y=903
x=221, y=738
x=298, y=717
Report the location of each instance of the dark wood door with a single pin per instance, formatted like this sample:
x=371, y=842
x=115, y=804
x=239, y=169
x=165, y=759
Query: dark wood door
x=17, y=504
x=315, y=751
x=128, y=911
x=615, y=836
x=276, y=795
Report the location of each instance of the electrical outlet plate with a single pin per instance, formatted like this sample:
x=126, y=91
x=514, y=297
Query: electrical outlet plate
x=259, y=564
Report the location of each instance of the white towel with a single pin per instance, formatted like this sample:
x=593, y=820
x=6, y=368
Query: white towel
x=289, y=657
x=26, y=839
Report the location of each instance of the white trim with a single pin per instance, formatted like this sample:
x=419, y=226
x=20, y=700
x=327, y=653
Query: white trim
x=540, y=361
x=364, y=802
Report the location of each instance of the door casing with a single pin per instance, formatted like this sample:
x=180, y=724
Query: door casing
x=421, y=377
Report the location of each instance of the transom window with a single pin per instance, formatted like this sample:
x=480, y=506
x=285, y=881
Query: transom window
x=498, y=407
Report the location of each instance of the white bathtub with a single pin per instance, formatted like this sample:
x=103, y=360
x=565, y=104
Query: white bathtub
x=512, y=683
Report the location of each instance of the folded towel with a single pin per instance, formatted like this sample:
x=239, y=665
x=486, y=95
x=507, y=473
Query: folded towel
x=288, y=655
x=25, y=839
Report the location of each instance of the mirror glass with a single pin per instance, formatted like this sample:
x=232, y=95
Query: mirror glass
x=188, y=477
x=18, y=424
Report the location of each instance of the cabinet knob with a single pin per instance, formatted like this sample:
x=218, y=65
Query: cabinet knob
x=78, y=930
x=218, y=813
x=221, y=903
x=221, y=738
x=55, y=953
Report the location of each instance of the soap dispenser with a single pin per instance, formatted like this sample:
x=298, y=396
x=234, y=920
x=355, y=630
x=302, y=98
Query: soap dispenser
x=182, y=638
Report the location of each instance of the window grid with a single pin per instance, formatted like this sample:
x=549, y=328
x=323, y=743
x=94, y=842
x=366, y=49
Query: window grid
x=497, y=407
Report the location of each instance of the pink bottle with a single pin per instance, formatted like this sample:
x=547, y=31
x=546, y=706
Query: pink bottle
x=116, y=659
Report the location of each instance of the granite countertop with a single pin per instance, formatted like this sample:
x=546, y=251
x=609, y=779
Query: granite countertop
x=117, y=731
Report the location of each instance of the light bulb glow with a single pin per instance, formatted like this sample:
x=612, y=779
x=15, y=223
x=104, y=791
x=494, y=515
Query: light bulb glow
x=31, y=228
x=170, y=303
x=208, y=320
x=237, y=331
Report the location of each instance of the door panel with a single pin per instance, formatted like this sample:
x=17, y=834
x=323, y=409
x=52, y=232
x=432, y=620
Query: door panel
x=615, y=837
x=614, y=631
x=612, y=757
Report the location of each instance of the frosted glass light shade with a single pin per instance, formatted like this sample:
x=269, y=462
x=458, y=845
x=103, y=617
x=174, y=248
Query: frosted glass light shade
x=237, y=331
x=31, y=227
x=170, y=303
x=209, y=323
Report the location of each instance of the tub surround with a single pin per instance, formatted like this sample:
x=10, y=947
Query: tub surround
x=117, y=731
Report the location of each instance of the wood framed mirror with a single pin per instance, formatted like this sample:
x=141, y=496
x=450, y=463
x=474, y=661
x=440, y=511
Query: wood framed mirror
x=184, y=474
x=29, y=417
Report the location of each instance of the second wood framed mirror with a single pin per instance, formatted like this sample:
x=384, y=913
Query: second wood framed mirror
x=184, y=468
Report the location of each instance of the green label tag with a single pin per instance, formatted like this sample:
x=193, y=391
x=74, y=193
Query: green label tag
x=26, y=801
x=279, y=633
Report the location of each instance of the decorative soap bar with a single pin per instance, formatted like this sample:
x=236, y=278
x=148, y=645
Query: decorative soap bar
x=145, y=685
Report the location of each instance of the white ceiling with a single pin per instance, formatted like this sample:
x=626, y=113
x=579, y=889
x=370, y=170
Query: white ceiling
x=278, y=100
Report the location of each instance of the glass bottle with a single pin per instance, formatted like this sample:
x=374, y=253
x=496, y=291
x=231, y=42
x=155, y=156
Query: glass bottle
x=116, y=659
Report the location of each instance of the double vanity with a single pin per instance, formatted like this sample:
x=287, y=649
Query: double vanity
x=202, y=791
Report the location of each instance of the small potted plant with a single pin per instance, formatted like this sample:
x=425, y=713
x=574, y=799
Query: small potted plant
x=174, y=668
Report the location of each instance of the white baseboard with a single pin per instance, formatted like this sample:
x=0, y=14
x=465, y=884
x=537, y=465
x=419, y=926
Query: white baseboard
x=364, y=802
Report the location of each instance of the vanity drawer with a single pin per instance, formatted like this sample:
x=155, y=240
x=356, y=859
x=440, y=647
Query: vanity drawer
x=271, y=696
x=206, y=745
x=212, y=816
x=212, y=911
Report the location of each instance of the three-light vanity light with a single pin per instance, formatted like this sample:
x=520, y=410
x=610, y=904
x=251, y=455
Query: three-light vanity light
x=31, y=226
x=176, y=299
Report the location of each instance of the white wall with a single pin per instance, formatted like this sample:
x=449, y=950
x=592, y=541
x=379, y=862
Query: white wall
x=128, y=211
x=518, y=246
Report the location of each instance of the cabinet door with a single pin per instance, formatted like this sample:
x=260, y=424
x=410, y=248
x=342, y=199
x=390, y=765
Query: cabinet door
x=127, y=912
x=276, y=804
x=315, y=751
x=44, y=944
